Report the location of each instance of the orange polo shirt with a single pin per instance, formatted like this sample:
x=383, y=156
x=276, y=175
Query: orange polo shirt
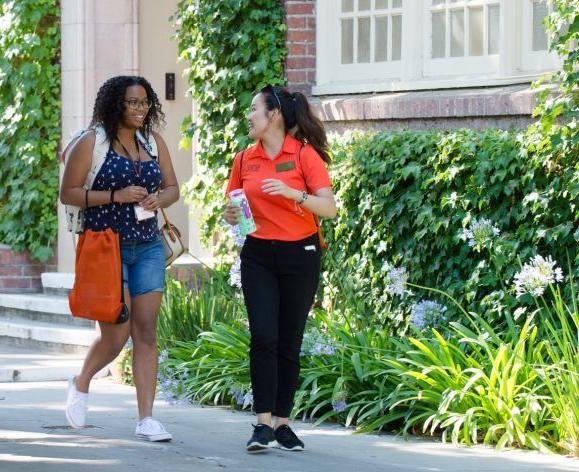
x=277, y=217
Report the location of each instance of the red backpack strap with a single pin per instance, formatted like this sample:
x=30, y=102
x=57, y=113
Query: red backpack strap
x=241, y=162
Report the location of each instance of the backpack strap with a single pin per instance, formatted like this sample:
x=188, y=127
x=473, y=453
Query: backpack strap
x=75, y=214
x=241, y=162
x=74, y=137
x=150, y=144
x=99, y=154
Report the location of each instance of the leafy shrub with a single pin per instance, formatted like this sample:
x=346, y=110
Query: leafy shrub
x=468, y=384
x=187, y=311
x=407, y=197
x=212, y=368
x=29, y=124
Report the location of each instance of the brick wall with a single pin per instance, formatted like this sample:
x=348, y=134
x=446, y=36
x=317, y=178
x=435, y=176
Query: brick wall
x=301, y=44
x=500, y=106
x=19, y=273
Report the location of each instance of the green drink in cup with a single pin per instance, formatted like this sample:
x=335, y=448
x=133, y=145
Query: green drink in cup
x=246, y=223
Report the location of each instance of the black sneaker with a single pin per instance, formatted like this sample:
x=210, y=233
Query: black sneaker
x=287, y=439
x=262, y=438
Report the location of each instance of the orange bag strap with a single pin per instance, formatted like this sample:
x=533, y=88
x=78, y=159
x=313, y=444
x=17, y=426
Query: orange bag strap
x=323, y=243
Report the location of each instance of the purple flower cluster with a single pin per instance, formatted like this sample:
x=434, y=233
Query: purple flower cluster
x=339, y=405
x=235, y=273
x=322, y=349
x=427, y=313
x=241, y=398
x=480, y=232
x=315, y=343
x=396, y=279
x=169, y=384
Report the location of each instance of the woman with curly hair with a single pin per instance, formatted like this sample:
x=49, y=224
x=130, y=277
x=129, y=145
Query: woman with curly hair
x=131, y=185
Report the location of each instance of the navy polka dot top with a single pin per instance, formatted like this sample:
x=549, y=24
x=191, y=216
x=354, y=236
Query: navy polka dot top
x=116, y=173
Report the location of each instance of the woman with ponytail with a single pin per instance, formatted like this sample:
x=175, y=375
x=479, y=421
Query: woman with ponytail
x=287, y=184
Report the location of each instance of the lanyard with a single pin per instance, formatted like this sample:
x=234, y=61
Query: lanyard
x=137, y=163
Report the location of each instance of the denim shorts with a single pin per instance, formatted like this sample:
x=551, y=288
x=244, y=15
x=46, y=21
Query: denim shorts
x=143, y=266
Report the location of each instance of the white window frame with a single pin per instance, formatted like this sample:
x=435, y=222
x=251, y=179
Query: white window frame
x=533, y=61
x=417, y=71
x=330, y=56
x=466, y=65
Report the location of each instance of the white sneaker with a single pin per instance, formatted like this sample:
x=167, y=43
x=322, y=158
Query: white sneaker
x=152, y=430
x=76, y=406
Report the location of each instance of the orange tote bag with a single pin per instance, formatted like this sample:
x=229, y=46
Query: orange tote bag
x=97, y=293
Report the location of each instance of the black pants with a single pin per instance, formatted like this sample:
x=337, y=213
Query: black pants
x=279, y=281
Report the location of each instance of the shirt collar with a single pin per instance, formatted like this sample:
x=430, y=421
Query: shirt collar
x=290, y=145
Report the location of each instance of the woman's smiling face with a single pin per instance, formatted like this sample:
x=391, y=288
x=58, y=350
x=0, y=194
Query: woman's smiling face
x=134, y=117
x=261, y=120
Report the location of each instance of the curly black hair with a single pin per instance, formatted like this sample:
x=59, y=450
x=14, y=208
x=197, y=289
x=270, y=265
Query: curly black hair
x=109, y=105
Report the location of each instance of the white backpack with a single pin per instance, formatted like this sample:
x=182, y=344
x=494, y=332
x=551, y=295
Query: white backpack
x=74, y=214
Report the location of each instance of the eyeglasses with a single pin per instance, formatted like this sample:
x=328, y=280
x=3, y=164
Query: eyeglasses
x=135, y=104
x=270, y=87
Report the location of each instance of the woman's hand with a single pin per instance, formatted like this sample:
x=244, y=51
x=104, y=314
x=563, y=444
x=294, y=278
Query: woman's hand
x=152, y=202
x=231, y=214
x=277, y=187
x=131, y=194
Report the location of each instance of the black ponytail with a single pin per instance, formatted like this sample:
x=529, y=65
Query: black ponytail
x=297, y=113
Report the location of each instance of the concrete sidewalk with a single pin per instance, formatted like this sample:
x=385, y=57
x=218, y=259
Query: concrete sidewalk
x=34, y=437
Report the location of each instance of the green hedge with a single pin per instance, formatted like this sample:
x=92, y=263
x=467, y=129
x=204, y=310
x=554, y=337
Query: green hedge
x=405, y=198
x=29, y=124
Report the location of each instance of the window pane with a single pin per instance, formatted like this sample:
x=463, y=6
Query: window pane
x=539, y=32
x=396, y=37
x=381, y=46
x=347, y=6
x=437, y=2
x=347, y=41
x=363, y=39
x=494, y=28
x=363, y=4
x=380, y=4
x=476, y=25
x=396, y=3
x=438, y=34
x=457, y=33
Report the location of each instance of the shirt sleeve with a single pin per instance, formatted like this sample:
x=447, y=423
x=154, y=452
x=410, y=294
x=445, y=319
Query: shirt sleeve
x=235, y=180
x=314, y=168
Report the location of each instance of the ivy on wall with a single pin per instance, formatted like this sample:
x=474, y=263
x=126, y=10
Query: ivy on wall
x=234, y=47
x=555, y=138
x=406, y=198
x=29, y=124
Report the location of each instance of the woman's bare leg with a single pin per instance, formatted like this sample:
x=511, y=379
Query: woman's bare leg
x=145, y=310
x=105, y=348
